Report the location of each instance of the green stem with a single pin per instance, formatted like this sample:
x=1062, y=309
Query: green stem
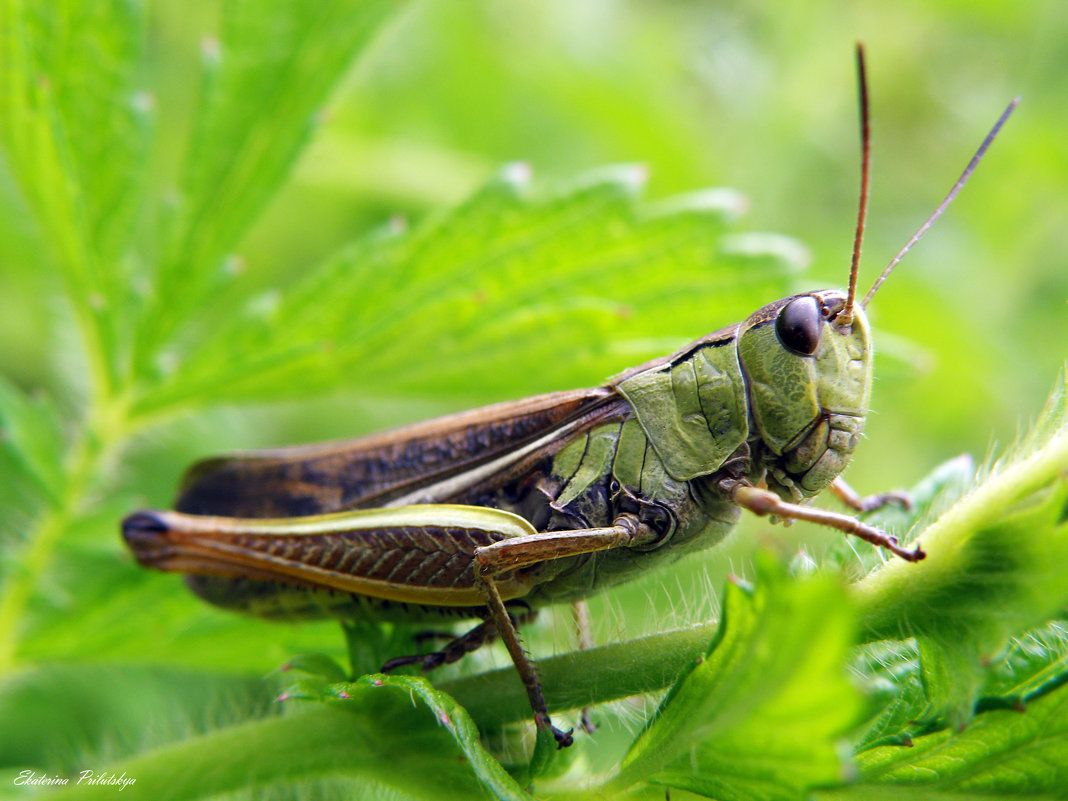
x=584, y=678
x=885, y=598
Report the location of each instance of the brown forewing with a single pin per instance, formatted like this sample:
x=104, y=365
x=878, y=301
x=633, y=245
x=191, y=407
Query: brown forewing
x=370, y=471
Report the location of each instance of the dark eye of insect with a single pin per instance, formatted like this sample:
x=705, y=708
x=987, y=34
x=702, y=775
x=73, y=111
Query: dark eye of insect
x=798, y=325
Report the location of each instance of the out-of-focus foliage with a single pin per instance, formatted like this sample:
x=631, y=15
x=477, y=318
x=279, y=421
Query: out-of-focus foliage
x=378, y=211
x=724, y=729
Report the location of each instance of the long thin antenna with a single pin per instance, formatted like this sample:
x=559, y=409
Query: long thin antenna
x=845, y=317
x=964, y=176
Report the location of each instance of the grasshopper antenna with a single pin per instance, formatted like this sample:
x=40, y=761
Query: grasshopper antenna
x=964, y=176
x=845, y=317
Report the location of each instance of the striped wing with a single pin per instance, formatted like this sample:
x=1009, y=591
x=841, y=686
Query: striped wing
x=428, y=462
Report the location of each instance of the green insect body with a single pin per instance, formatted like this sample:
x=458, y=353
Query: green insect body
x=738, y=398
x=628, y=477
x=547, y=499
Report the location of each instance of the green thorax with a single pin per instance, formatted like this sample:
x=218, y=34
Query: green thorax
x=692, y=406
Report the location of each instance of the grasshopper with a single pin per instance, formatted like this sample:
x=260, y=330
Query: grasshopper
x=548, y=499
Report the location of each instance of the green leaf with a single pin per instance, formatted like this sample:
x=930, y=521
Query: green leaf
x=31, y=437
x=363, y=738
x=1003, y=754
x=761, y=715
x=1034, y=659
x=896, y=697
x=994, y=568
x=494, y=295
x=74, y=125
x=75, y=128
x=263, y=85
x=319, y=665
x=75, y=119
x=457, y=722
x=69, y=715
x=94, y=604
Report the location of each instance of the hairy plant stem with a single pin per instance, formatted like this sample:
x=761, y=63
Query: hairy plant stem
x=886, y=597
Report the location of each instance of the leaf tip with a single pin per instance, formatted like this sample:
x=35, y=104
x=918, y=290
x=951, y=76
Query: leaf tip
x=721, y=202
x=794, y=256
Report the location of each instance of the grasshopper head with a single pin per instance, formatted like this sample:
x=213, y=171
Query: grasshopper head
x=798, y=390
x=809, y=379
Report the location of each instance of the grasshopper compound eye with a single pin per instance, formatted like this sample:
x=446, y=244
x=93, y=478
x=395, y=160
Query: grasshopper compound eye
x=798, y=325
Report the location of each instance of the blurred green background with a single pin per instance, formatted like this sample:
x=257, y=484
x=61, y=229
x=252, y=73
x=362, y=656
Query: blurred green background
x=762, y=98
x=970, y=331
